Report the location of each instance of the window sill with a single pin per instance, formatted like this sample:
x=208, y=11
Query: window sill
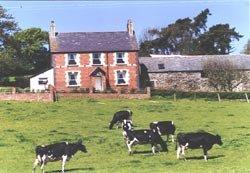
x=73, y=86
x=122, y=84
x=97, y=64
x=121, y=64
x=73, y=65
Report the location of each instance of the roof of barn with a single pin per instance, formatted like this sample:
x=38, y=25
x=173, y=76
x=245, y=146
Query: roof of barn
x=187, y=63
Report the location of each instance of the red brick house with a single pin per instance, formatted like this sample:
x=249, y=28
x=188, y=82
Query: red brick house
x=95, y=60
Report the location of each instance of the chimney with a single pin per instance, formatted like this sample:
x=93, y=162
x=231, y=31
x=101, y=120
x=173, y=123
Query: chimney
x=130, y=28
x=52, y=31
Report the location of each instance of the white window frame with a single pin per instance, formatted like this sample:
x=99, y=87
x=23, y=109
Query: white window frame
x=125, y=58
x=126, y=78
x=42, y=81
x=102, y=59
x=67, y=59
x=77, y=79
x=99, y=57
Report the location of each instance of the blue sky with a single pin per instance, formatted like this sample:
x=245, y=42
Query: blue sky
x=86, y=16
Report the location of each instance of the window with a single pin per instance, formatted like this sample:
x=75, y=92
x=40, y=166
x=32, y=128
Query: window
x=71, y=59
x=97, y=58
x=121, y=76
x=120, y=58
x=72, y=78
x=152, y=84
x=204, y=75
x=42, y=81
x=161, y=66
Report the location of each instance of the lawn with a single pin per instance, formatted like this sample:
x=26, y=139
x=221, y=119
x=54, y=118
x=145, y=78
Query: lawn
x=25, y=125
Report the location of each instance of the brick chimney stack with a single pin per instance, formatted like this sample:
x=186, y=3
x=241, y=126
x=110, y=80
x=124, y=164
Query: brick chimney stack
x=130, y=28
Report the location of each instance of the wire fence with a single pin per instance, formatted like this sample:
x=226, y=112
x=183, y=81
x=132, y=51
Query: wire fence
x=219, y=96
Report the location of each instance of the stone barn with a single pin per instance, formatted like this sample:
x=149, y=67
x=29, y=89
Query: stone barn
x=179, y=72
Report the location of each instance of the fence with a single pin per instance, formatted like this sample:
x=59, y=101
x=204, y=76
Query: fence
x=175, y=95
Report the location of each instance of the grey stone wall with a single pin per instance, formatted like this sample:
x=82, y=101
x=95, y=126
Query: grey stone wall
x=186, y=81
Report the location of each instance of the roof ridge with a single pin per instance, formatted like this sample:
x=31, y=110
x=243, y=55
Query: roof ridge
x=91, y=32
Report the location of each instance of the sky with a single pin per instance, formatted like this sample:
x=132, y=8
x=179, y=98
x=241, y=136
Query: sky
x=91, y=16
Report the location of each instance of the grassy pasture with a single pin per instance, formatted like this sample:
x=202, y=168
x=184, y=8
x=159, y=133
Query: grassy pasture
x=25, y=125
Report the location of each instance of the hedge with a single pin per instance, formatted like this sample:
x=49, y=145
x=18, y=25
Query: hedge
x=195, y=95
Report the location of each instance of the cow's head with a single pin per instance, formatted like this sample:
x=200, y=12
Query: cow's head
x=127, y=125
x=81, y=147
x=218, y=140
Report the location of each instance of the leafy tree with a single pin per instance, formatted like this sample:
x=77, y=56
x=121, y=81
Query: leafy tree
x=31, y=49
x=217, y=40
x=247, y=48
x=7, y=27
x=223, y=75
x=190, y=36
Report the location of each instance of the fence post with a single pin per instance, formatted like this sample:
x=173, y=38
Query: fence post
x=174, y=97
x=218, y=95
x=13, y=91
x=247, y=97
x=195, y=96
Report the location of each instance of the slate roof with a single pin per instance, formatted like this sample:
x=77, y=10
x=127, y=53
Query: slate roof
x=93, y=42
x=181, y=63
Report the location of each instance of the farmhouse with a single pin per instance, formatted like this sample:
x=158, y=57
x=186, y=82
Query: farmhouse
x=185, y=73
x=95, y=60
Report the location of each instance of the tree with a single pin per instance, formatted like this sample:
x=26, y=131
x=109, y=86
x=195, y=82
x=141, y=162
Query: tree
x=247, y=48
x=190, y=36
x=7, y=27
x=223, y=75
x=217, y=40
x=31, y=50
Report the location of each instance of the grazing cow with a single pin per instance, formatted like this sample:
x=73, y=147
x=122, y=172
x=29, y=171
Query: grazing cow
x=119, y=117
x=59, y=151
x=133, y=137
x=195, y=140
x=164, y=128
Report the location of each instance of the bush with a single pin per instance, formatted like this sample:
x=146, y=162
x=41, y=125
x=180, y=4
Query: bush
x=15, y=81
x=169, y=94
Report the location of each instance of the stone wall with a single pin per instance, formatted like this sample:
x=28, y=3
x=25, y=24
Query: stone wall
x=187, y=81
x=106, y=95
x=44, y=97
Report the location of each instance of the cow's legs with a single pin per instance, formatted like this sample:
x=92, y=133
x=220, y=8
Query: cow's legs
x=172, y=138
x=153, y=148
x=129, y=144
x=43, y=162
x=178, y=152
x=34, y=165
x=64, y=159
x=183, y=151
x=205, y=154
x=167, y=137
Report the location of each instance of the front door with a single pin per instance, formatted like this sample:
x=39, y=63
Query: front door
x=98, y=84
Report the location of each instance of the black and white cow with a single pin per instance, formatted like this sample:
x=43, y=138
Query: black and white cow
x=119, y=117
x=142, y=136
x=54, y=152
x=164, y=128
x=195, y=140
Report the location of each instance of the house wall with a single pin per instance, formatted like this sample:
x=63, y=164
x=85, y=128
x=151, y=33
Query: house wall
x=187, y=81
x=85, y=68
x=35, y=86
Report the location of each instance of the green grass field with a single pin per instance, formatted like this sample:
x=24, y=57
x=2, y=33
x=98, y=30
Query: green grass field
x=25, y=125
